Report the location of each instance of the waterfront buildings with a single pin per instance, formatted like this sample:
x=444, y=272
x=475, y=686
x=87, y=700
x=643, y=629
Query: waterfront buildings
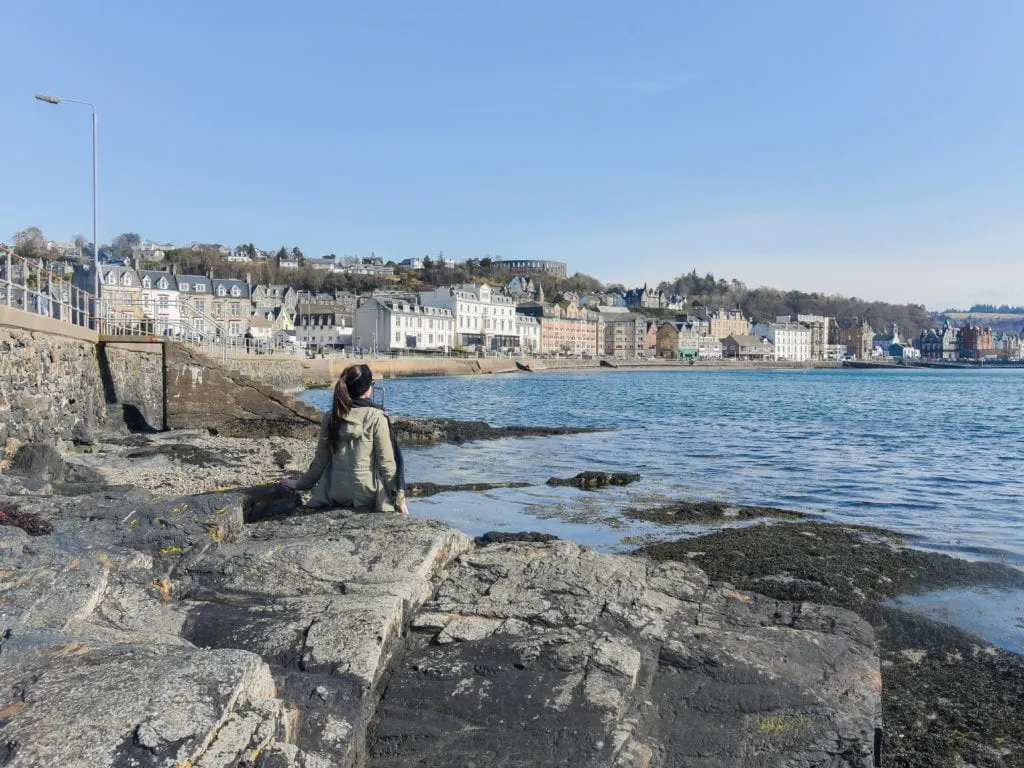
x=709, y=348
x=724, y=323
x=857, y=337
x=483, y=317
x=821, y=331
x=747, y=347
x=976, y=342
x=529, y=331
x=676, y=340
x=391, y=326
x=791, y=342
x=565, y=329
x=621, y=334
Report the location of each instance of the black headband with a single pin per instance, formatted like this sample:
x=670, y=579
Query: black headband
x=357, y=386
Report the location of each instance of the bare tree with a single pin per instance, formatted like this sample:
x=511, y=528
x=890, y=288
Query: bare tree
x=30, y=243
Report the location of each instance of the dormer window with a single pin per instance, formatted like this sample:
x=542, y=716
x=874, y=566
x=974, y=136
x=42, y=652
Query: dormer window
x=236, y=291
x=146, y=283
x=111, y=278
x=162, y=285
x=126, y=279
x=200, y=288
x=183, y=287
x=221, y=291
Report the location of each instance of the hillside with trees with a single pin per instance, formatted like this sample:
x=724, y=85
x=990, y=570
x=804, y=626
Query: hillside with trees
x=765, y=304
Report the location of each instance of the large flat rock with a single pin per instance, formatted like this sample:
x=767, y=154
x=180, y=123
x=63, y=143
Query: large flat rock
x=551, y=654
x=176, y=635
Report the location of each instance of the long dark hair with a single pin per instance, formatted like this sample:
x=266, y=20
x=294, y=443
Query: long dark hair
x=352, y=383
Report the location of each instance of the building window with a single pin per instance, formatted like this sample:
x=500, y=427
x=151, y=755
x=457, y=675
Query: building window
x=201, y=306
x=236, y=308
x=200, y=288
x=163, y=302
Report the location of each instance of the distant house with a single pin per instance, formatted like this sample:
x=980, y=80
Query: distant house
x=677, y=341
x=745, y=347
x=646, y=298
x=63, y=250
x=411, y=263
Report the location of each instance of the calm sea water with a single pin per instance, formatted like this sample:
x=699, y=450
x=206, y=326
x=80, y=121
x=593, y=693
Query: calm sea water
x=937, y=455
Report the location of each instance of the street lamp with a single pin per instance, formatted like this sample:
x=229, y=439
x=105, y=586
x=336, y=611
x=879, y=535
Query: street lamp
x=49, y=98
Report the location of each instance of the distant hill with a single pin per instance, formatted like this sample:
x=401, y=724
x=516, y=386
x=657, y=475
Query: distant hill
x=765, y=304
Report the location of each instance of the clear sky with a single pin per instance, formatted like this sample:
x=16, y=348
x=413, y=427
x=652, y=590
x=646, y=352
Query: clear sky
x=872, y=148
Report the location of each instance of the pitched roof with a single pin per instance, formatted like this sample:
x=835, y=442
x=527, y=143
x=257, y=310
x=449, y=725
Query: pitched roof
x=229, y=285
x=188, y=282
x=155, y=275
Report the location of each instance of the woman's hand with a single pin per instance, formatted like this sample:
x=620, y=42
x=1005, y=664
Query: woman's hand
x=289, y=483
x=402, y=507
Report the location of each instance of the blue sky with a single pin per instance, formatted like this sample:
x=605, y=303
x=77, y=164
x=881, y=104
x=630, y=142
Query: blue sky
x=870, y=148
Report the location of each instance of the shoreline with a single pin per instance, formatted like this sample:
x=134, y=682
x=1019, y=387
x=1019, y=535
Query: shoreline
x=323, y=372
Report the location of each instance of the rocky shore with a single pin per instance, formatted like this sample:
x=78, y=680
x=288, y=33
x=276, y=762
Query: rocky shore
x=149, y=619
x=163, y=604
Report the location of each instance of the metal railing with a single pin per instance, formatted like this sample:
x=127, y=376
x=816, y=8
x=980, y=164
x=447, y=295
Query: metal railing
x=29, y=285
x=130, y=321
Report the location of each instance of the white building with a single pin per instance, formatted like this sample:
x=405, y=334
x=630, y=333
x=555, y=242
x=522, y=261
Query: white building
x=528, y=330
x=412, y=263
x=709, y=348
x=161, y=302
x=388, y=326
x=791, y=341
x=482, y=317
x=320, y=336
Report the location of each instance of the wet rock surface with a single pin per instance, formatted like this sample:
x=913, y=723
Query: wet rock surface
x=551, y=654
x=504, y=537
x=422, y=431
x=697, y=512
x=949, y=698
x=419, y=490
x=591, y=480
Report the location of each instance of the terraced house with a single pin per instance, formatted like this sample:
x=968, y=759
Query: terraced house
x=120, y=291
x=231, y=306
x=621, y=334
x=195, y=306
x=160, y=302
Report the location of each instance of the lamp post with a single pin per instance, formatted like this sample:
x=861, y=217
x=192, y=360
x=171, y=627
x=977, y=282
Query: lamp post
x=49, y=98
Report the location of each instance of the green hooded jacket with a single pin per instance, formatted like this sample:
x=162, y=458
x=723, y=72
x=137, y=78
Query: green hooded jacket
x=362, y=473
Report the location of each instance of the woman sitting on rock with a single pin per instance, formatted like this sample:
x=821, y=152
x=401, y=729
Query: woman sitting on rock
x=358, y=463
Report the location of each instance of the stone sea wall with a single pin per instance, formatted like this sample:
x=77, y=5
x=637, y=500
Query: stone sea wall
x=202, y=394
x=50, y=386
x=284, y=373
